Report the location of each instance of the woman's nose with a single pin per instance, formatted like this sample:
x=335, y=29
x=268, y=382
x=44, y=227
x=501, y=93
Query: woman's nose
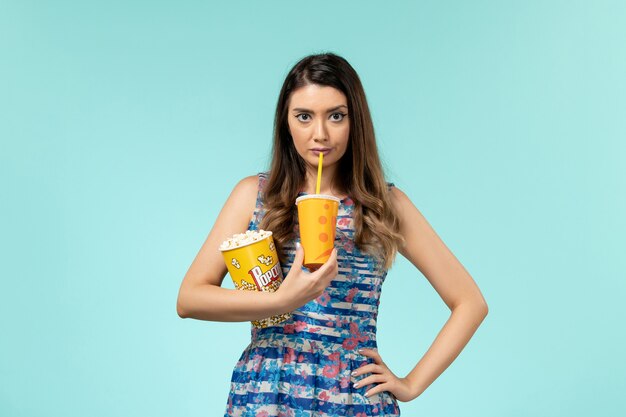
x=320, y=132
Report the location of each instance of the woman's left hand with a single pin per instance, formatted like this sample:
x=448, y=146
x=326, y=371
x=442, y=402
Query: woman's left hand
x=387, y=380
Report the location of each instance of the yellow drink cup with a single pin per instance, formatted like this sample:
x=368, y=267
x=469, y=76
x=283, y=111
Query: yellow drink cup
x=317, y=216
x=254, y=266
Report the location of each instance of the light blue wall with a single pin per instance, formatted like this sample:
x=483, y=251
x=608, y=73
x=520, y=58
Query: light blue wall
x=124, y=126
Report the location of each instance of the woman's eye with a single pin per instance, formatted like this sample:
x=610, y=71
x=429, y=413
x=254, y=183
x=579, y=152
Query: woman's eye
x=303, y=117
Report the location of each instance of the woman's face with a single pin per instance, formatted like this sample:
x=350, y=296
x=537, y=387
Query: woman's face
x=318, y=122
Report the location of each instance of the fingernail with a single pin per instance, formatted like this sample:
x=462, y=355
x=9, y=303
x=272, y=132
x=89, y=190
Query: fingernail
x=356, y=385
x=353, y=373
x=360, y=350
x=367, y=394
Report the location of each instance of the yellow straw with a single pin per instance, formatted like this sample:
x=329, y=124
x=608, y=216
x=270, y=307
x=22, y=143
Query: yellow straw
x=319, y=173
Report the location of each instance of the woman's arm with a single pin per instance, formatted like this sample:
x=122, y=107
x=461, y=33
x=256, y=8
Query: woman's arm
x=424, y=249
x=456, y=287
x=201, y=295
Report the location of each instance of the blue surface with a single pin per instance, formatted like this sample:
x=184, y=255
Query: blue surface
x=125, y=125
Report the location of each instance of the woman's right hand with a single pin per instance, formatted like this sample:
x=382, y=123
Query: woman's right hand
x=299, y=287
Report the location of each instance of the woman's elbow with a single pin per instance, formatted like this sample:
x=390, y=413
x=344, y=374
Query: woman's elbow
x=180, y=310
x=482, y=305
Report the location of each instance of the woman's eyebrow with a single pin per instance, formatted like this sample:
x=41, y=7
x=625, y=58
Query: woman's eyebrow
x=327, y=111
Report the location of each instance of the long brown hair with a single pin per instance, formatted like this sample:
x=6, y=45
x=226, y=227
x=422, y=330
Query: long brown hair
x=359, y=173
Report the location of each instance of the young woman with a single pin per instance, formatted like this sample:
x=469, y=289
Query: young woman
x=324, y=360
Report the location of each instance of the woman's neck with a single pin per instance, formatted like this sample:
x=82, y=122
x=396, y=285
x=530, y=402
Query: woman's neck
x=328, y=184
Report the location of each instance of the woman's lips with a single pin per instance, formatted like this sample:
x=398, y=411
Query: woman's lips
x=318, y=151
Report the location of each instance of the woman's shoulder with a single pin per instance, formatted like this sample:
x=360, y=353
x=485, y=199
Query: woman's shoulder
x=249, y=187
x=246, y=193
x=248, y=183
x=398, y=197
x=253, y=181
x=394, y=191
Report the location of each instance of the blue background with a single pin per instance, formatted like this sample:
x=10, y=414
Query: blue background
x=125, y=125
